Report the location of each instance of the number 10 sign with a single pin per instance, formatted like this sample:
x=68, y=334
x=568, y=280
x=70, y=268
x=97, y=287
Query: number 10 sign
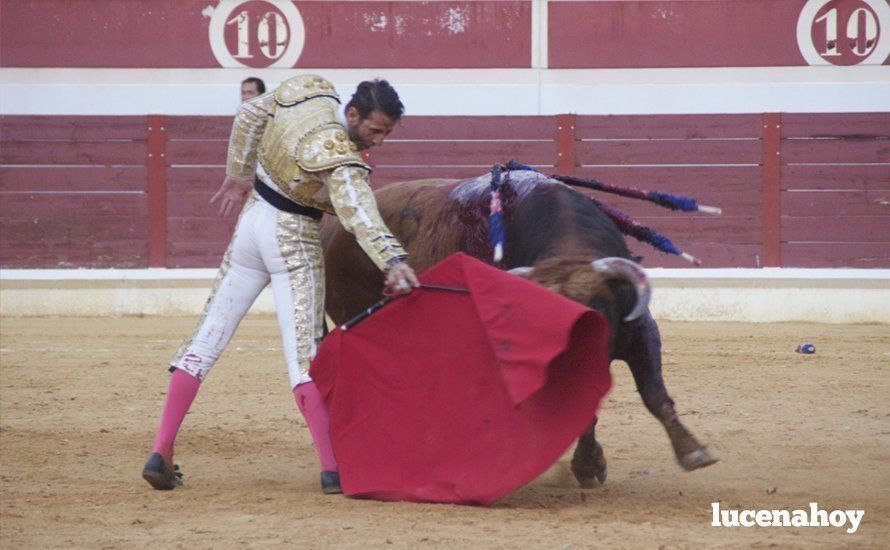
x=844, y=32
x=257, y=33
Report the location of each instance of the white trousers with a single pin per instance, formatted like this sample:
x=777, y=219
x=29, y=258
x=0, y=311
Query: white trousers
x=268, y=245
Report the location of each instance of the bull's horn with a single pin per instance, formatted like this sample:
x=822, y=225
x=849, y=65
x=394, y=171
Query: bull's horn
x=523, y=272
x=620, y=268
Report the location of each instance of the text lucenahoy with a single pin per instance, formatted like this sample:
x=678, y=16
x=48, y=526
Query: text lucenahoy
x=814, y=517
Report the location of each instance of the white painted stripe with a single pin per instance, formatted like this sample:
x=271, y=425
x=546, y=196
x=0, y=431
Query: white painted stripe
x=465, y=91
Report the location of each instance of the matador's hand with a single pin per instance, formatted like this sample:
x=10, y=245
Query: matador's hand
x=400, y=279
x=233, y=192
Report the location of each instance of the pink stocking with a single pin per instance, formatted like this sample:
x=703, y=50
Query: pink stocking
x=312, y=406
x=182, y=391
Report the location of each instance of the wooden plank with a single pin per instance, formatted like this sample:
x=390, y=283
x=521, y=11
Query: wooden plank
x=70, y=128
x=186, y=179
x=830, y=151
x=771, y=215
x=196, y=254
x=193, y=229
x=852, y=125
x=668, y=152
x=565, y=144
x=72, y=206
x=73, y=152
x=668, y=126
x=835, y=177
x=197, y=152
x=119, y=253
x=475, y=127
x=385, y=175
x=461, y=153
x=836, y=203
x=72, y=178
x=833, y=229
x=155, y=163
x=859, y=255
x=199, y=127
x=191, y=204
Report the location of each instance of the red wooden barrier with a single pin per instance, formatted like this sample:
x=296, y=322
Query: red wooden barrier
x=105, y=191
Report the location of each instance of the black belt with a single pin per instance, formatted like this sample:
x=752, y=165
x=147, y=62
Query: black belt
x=283, y=203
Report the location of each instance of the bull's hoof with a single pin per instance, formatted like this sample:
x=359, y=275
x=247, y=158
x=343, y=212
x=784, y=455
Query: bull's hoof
x=699, y=458
x=589, y=469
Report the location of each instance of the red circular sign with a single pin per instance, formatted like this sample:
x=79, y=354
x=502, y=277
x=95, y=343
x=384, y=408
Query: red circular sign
x=257, y=33
x=845, y=32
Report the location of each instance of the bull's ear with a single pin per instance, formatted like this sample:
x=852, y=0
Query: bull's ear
x=524, y=272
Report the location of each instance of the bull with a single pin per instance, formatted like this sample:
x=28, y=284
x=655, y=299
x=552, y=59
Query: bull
x=556, y=237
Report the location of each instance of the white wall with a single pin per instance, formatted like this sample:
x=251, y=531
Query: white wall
x=464, y=91
x=741, y=295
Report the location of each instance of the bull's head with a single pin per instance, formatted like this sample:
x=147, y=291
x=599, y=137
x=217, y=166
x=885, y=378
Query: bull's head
x=616, y=287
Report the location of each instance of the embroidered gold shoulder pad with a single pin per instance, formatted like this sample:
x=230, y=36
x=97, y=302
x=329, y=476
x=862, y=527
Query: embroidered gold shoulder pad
x=303, y=87
x=327, y=147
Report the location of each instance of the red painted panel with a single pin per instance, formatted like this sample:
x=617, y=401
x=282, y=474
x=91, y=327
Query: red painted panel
x=475, y=127
x=72, y=206
x=835, y=229
x=668, y=126
x=837, y=203
x=72, y=128
x=73, y=152
x=687, y=33
x=462, y=153
x=669, y=152
x=861, y=255
x=835, y=177
x=155, y=163
x=199, y=127
x=199, y=229
x=197, y=152
x=174, y=33
x=836, y=125
x=187, y=179
x=192, y=204
x=835, y=150
x=76, y=178
x=124, y=254
x=386, y=175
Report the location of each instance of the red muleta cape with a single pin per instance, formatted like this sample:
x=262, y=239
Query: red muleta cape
x=461, y=397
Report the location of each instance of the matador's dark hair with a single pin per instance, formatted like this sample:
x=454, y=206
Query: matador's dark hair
x=260, y=85
x=376, y=95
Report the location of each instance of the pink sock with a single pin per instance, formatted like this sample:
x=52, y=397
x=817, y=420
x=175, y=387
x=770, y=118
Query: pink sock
x=180, y=394
x=311, y=404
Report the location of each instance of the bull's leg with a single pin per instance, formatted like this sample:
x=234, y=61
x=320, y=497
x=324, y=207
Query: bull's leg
x=589, y=462
x=641, y=349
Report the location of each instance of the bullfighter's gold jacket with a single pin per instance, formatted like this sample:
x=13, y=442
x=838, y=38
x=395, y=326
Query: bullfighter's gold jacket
x=294, y=142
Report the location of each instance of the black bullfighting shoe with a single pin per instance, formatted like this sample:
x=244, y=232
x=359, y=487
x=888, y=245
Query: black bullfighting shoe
x=160, y=475
x=330, y=482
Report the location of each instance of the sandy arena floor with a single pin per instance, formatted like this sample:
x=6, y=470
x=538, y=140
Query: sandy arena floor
x=81, y=398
